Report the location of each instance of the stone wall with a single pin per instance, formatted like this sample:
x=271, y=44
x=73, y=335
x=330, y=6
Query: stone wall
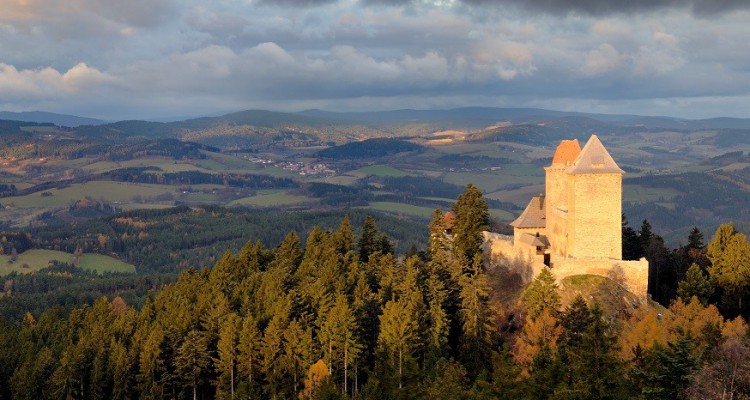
x=499, y=250
x=633, y=275
x=556, y=196
x=595, y=216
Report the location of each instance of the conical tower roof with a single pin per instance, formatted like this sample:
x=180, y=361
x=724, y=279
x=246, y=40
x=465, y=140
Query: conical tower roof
x=594, y=159
x=567, y=152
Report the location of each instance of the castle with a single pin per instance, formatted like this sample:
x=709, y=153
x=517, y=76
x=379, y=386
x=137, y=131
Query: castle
x=575, y=228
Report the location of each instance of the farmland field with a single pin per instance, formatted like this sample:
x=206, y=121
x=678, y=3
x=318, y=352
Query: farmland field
x=34, y=260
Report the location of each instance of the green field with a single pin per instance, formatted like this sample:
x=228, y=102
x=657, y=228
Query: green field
x=271, y=198
x=34, y=260
x=100, y=264
x=400, y=208
x=490, y=182
x=379, y=170
x=501, y=215
x=122, y=192
x=643, y=194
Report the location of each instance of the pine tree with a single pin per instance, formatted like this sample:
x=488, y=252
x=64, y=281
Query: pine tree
x=695, y=284
x=575, y=320
x=272, y=351
x=645, y=235
x=474, y=314
x=438, y=322
x=542, y=294
x=151, y=362
x=398, y=328
x=250, y=257
x=248, y=352
x=631, y=245
x=227, y=347
x=192, y=360
x=695, y=238
x=297, y=347
x=369, y=240
x=472, y=217
x=598, y=373
x=344, y=237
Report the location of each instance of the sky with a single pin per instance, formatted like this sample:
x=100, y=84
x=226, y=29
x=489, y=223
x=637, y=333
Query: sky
x=154, y=59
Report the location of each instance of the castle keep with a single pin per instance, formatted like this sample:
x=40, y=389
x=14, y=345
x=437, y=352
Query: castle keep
x=575, y=228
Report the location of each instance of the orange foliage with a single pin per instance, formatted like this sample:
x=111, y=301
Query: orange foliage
x=317, y=373
x=647, y=327
x=536, y=333
x=736, y=328
x=644, y=328
x=692, y=317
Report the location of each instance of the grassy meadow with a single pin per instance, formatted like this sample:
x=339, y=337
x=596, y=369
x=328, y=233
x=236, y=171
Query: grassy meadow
x=34, y=260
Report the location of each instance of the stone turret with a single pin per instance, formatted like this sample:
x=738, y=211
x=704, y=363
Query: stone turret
x=557, y=194
x=594, y=186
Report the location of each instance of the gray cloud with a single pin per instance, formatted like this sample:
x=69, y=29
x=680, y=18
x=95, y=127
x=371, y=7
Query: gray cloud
x=202, y=58
x=592, y=7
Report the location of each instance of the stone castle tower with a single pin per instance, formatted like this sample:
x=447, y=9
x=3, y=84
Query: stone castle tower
x=576, y=228
x=584, y=197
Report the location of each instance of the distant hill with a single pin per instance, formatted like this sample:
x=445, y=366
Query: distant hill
x=370, y=148
x=57, y=119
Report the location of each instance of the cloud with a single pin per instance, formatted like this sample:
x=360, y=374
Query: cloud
x=48, y=83
x=82, y=18
x=593, y=7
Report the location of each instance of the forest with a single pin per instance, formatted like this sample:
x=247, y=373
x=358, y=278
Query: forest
x=345, y=316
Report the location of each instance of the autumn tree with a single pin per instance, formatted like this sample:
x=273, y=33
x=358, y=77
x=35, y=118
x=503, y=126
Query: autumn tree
x=729, y=254
x=316, y=375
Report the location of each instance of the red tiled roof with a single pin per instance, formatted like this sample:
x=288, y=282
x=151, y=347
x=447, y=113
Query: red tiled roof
x=566, y=152
x=449, y=220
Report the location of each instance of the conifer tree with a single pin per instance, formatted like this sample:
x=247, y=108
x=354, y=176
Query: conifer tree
x=542, y=294
x=344, y=237
x=368, y=240
x=472, y=217
x=575, y=320
x=250, y=257
x=272, y=351
x=474, y=314
x=437, y=319
x=248, y=352
x=398, y=328
x=598, y=373
x=297, y=346
x=437, y=241
x=645, y=235
x=695, y=238
x=695, y=284
x=151, y=363
x=631, y=245
x=192, y=360
x=227, y=349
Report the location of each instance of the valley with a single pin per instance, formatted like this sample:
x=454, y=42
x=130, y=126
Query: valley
x=405, y=163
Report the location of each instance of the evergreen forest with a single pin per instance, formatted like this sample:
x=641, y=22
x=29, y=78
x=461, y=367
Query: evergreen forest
x=342, y=313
